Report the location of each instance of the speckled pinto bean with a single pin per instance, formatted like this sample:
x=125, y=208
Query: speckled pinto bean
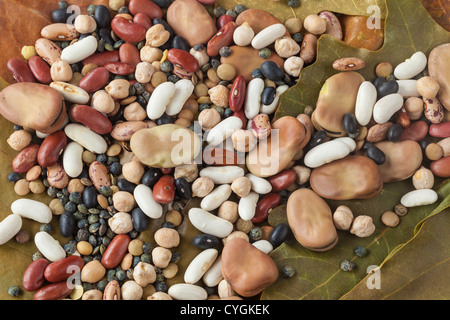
x=115, y=251
x=20, y=70
x=51, y=148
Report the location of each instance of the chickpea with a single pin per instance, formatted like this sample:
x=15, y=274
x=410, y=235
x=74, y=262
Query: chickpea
x=118, y=89
x=102, y=101
x=241, y=186
x=130, y=290
x=243, y=140
x=202, y=187
x=209, y=118
x=315, y=24
x=161, y=257
x=85, y=24
x=343, y=218
x=61, y=71
x=144, y=72
x=123, y=201
x=228, y=211
x=362, y=226
x=133, y=171
x=144, y=274
x=428, y=87
x=19, y=139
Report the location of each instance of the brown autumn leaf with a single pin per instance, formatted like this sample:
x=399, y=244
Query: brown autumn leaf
x=439, y=10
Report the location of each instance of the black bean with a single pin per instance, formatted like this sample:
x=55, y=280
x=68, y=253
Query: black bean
x=350, y=123
x=165, y=119
x=271, y=71
x=179, y=42
x=183, y=188
x=140, y=219
x=163, y=3
x=379, y=81
x=60, y=16
x=279, y=234
x=102, y=16
x=317, y=138
x=67, y=224
x=268, y=95
x=376, y=155
x=395, y=132
x=205, y=241
x=125, y=185
x=151, y=177
x=387, y=88
x=105, y=34
x=90, y=197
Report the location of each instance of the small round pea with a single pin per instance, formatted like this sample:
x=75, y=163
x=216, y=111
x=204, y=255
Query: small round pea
x=347, y=265
x=361, y=251
x=265, y=53
x=14, y=291
x=288, y=271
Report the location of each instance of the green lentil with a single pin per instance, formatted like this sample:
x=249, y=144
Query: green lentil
x=265, y=53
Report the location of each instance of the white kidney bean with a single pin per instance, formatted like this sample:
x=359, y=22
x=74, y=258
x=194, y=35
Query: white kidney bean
x=326, y=152
x=86, y=137
x=71, y=92
x=411, y=67
x=419, y=198
x=186, y=291
x=218, y=196
x=32, y=209
x=210, y=223
x=223, y=130
x=73, y=159
x=49, y=246
x=247, y=206
x=9, y=227
x=269, y=109
x=386, y=107
x=263, y=245
x=222, y=174
x=408, y=88
x=144, y=199
x=365, y=101
x=213, y=275
x=351, y=144
x=253, y=94
x=80, y=50
x=183, y=90
x=199, y=265
x=159, y=99
x=259, y=185
x=268, y=36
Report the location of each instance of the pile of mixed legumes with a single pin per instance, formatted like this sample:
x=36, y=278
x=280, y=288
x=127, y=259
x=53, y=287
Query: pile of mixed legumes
x=126, y=113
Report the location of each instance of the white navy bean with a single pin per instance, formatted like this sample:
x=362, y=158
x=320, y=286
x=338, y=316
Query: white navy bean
x=408, y=88
x=365, y=101
x=9, y=227
x=32, y=209
x=71, y=92
x=419, y=198
x=183, y=90
x=252, y=103
x=159, y=100
x=209, y=223
x=144, y=199
x=268, y=36
x=73, y=159
x=269, y=109
x=223, y=130
x=86, y=137
x=386, y=107
x=49, y=246
x=411, y=67
x=213, y=275
x=80, y=50
x=199, y=265
x=218, y=196
x=186, y=291
x=222, y=174
x=247, y=206
x=263, y=245
x=326, y=152
x=259, y=185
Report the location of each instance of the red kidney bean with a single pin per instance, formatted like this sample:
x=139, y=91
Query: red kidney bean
x=143, y=20
x=128, y=31
x=115, y=251
x=223, y=20
x=184, y=59
x=120, y=68
x=146, y=7
x=207, y=2
x=440, y=130
x=51, y=148
x=241, y=115
x=53, y=291
x=441, y=167
x=129, y=54
x=62, y=269
x=267, y=202
x=33, y=278
x=282, y=180
x=94, y=80
x=164, y=189
x=237, y=93
x=220, y=157
x=416, y=131
x=40, y=69
x=20, y=70
x=166, y=170
x=101, y=58
x=91, y=118
x=26, y=159
x=222, y=38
